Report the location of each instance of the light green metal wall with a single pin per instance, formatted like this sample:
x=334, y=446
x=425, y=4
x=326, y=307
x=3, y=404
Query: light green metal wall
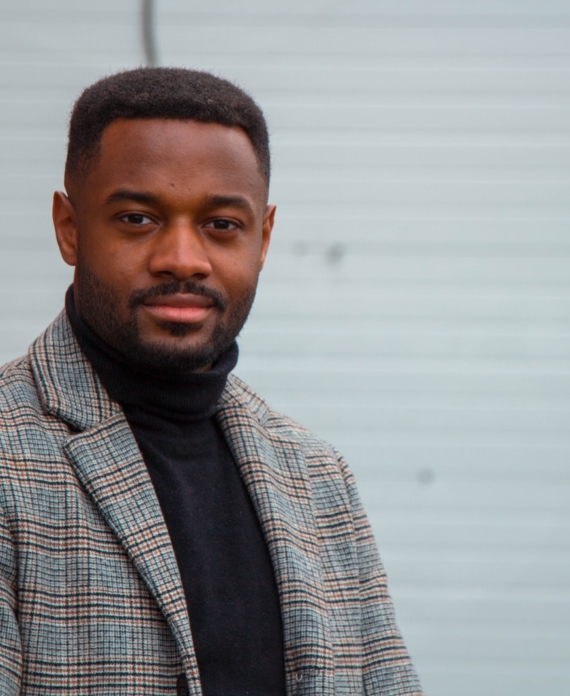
x=415, y=307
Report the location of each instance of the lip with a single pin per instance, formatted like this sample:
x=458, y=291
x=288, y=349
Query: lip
x=180, y=308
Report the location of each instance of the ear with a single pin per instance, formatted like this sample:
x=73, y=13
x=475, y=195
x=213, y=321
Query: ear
x=65, y=224
x=268, y=220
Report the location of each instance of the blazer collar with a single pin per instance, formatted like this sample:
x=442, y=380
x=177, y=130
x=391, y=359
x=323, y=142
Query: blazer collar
x=68, y=387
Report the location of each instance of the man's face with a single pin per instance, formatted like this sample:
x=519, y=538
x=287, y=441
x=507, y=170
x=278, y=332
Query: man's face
x=168, y=234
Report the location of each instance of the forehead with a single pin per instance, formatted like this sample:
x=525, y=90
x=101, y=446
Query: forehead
x=181, y=156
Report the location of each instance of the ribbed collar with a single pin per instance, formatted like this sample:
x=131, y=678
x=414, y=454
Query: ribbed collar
x=185, y=397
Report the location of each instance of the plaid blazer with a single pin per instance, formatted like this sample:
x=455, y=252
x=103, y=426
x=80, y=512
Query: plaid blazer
x=91, y=600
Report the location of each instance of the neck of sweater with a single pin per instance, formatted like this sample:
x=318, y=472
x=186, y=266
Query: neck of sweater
x=187, y=397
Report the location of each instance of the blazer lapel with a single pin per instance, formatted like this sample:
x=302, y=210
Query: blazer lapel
x=275, y=473
x=108, y=463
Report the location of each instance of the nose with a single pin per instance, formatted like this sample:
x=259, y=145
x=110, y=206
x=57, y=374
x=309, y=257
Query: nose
x=179, y=252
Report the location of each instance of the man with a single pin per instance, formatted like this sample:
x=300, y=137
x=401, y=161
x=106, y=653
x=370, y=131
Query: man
x=162, y=530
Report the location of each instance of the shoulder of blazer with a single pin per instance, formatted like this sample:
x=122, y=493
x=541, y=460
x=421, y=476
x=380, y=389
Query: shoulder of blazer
x=17, y=386
x=275, y=425
x=47, y=395
x=21, y=410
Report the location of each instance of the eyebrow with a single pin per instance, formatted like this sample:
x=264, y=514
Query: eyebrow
x=228, y=201
x=136, y=196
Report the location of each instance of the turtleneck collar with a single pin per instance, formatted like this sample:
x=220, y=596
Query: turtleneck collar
x=186, y=397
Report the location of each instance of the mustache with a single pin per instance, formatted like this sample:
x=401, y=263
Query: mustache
x=189, y=287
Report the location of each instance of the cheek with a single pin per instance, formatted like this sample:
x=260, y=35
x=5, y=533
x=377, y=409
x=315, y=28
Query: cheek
x=113, y=266
x=240, y=279
x=241, y=267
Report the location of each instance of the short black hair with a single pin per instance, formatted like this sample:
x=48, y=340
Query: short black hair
x=172, y=93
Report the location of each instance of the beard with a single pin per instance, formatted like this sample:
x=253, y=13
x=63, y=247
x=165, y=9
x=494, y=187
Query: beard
x=98, y=304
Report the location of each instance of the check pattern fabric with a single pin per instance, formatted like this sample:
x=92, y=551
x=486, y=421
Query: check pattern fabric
x=91, y=600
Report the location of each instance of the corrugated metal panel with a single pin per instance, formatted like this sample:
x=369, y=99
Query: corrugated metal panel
x=415, y=306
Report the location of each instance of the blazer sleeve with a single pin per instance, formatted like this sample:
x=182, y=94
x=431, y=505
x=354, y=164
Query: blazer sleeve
x=387, y=666
x=10, y=644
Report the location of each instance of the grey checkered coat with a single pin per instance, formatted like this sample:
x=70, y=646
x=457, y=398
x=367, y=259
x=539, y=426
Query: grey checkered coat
x=91, y=601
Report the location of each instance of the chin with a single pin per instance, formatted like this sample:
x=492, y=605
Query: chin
x=173, y=355
x=179, y=330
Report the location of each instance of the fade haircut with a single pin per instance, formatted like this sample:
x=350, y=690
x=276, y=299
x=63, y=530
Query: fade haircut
x=172, y=93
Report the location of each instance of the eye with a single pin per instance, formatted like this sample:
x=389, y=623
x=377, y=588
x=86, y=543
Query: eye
x=222, y=225
x=136, y=219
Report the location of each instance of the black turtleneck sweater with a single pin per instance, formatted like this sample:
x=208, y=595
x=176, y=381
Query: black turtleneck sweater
x=222, y=556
